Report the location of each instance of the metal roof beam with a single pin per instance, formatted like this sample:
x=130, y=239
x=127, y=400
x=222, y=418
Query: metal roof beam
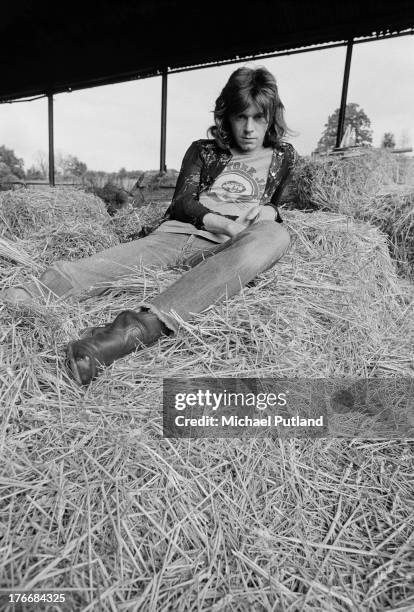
x=51, y=142
x=163, y=144
x=342, y=108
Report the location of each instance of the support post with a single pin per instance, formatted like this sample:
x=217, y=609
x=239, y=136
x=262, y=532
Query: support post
x=51, y=143
x=342, y=109
x=163, y=165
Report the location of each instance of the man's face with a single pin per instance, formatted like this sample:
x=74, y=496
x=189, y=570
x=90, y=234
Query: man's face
x=249, y=129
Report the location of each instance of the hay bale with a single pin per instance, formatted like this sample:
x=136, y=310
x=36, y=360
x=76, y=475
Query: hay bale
x=74, y=242
x=54, y=223
x=365, y=188
x=392, y=210
x=26, y=212
x=127, y=224
x=15, y=251
x=405, y=169
x=338, y=184
x=132, y=223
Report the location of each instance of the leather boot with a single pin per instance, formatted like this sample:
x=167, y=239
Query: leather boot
x=129, y=330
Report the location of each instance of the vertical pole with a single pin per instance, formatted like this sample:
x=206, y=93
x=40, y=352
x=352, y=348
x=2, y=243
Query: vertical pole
x=163, y=165
x=341, y=119
x=51, y=144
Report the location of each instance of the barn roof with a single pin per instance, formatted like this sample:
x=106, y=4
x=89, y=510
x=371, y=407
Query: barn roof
x=50, y=47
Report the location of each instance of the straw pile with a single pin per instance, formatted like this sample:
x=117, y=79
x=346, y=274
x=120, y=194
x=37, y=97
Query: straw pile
x=50, y=224
x=94, y=499
x=367, y=187
x=132, y=223
x=29, y=210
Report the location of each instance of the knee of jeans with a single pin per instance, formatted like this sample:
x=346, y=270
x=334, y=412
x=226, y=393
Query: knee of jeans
x=282, y=237
x=274, y=239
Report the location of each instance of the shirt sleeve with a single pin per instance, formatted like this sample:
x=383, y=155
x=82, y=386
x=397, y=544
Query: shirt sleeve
x=185, y=205
x=289, y=161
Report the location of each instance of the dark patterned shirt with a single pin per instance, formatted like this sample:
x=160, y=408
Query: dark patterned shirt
x=202, y=164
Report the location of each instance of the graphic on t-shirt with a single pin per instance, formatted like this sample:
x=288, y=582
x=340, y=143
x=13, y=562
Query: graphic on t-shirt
x=233, y=187
x=240, y=186
x=237, y=183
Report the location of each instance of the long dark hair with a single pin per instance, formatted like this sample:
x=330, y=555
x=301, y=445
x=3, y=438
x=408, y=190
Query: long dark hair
x=247, y=85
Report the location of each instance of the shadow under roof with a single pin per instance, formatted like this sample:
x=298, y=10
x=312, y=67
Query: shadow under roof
x=53, y=47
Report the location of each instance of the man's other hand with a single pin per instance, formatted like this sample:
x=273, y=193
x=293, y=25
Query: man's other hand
x=258, y=213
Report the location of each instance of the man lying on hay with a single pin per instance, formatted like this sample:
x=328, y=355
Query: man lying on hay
x=223, y=225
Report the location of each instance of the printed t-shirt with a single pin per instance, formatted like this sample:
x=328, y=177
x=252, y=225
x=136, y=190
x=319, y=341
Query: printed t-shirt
x=234, y=192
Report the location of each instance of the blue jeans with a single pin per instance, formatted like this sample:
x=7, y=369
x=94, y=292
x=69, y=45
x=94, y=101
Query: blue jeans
x=214, y=271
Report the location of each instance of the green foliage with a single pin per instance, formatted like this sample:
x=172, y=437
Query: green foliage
x=10, y=165
x=388, y=141
x=356, y=118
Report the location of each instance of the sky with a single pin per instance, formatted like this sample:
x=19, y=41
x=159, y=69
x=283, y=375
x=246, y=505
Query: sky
x=118, y=126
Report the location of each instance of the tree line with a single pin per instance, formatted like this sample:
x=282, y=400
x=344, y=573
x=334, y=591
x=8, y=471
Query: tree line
x=69, y=166
x=12, y=168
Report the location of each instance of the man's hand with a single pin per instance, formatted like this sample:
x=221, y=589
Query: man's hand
x=221, y=225
x=258, y=213
x=216, y=224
